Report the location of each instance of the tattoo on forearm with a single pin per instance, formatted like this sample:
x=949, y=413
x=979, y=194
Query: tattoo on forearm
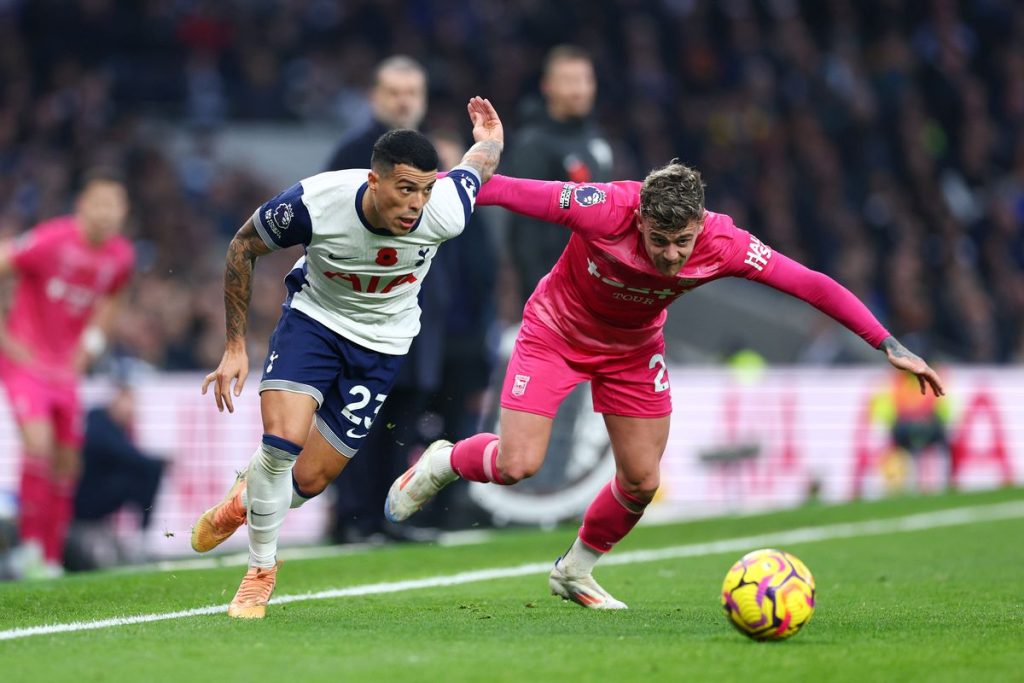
x=892, y=345
x=243, y=251
x=484, y=157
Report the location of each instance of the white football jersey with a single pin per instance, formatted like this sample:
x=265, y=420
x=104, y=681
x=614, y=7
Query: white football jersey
x=359, y=280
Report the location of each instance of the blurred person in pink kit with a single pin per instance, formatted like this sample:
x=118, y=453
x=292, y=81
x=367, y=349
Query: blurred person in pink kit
x=69, y=272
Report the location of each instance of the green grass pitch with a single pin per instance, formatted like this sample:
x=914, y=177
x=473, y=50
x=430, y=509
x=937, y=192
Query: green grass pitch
x=933, y=603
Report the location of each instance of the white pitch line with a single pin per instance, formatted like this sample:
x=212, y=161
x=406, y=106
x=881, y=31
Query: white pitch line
x=240, y=559
x=910, y=523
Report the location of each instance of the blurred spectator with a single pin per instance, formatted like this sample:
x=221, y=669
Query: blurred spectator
x=561, y=142
x=115, y=474
x=917, y=428
x=398, y=99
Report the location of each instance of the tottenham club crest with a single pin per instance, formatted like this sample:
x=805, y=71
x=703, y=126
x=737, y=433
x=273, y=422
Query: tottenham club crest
x=588, y=195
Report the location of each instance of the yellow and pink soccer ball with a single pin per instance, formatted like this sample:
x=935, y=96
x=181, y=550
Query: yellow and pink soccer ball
x=768, y=595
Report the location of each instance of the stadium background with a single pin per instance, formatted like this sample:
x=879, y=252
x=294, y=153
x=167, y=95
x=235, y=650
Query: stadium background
x=880, y=142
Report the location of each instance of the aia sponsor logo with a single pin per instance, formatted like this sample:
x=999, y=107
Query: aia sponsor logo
x=371, y=284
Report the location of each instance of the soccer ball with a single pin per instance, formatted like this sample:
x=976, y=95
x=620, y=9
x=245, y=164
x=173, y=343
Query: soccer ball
x=768, y=595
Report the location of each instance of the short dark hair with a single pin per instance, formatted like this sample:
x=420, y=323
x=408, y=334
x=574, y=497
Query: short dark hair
x=672, y=197
x=398, y=63
x=102, y=174
x=564, y=53
x=403, y=146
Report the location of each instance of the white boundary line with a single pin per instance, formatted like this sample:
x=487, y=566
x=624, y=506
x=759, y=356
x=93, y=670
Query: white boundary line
x=909, y=523
x=240, y=559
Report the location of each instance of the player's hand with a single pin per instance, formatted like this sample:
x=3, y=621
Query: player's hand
x=902, y=359
x=233, y=366
x=486, y=123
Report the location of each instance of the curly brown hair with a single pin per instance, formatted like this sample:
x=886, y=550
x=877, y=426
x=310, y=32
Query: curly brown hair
x=672, y=197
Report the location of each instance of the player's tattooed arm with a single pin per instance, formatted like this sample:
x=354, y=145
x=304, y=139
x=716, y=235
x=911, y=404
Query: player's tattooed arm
x=245, y=248
x=483, y=157
x=903, y=359
x=489, y=135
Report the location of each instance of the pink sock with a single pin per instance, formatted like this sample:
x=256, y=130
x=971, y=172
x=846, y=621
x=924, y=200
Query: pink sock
x=62, y=501
x=34, y=498
x=476, y=458
x=611, y=515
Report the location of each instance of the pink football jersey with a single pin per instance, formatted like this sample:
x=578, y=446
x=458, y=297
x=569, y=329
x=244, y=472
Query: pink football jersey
x=605, y=295
x=60, y=278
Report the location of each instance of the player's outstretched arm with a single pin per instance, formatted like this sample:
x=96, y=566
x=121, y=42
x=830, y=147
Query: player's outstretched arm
x=902, y=359
x=830, y=297
x=245, y=248
x=489, y=135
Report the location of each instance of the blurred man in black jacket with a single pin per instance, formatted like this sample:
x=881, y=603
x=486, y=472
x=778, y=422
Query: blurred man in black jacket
x=398, y=99
x=563, y=143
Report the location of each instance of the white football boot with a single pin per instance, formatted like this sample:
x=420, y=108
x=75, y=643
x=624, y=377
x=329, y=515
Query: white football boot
x=421, y=482
x=582, y=590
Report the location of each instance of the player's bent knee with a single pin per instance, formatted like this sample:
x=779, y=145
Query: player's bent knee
x=646, y=494
x=644, y=489
x=312, y=483
x=517, y=469
x=315, y=470
x=292, y=433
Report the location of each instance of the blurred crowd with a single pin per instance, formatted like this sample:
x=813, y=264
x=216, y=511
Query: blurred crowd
x=881, y=141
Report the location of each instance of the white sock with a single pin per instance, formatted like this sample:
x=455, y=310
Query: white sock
x=297, y=499
x=580, y=559
x=441, y=465
x=269, y=487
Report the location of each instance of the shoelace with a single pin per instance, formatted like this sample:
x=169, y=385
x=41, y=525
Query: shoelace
x=232, y=513
x=257, y=585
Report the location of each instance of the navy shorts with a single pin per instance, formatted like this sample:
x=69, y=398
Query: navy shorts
x=348, y=382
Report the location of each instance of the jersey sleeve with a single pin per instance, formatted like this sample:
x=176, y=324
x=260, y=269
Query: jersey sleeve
x=453, y=199
x=32, y=251
x=592, y=209
x=751, y=258
x=284, y=220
